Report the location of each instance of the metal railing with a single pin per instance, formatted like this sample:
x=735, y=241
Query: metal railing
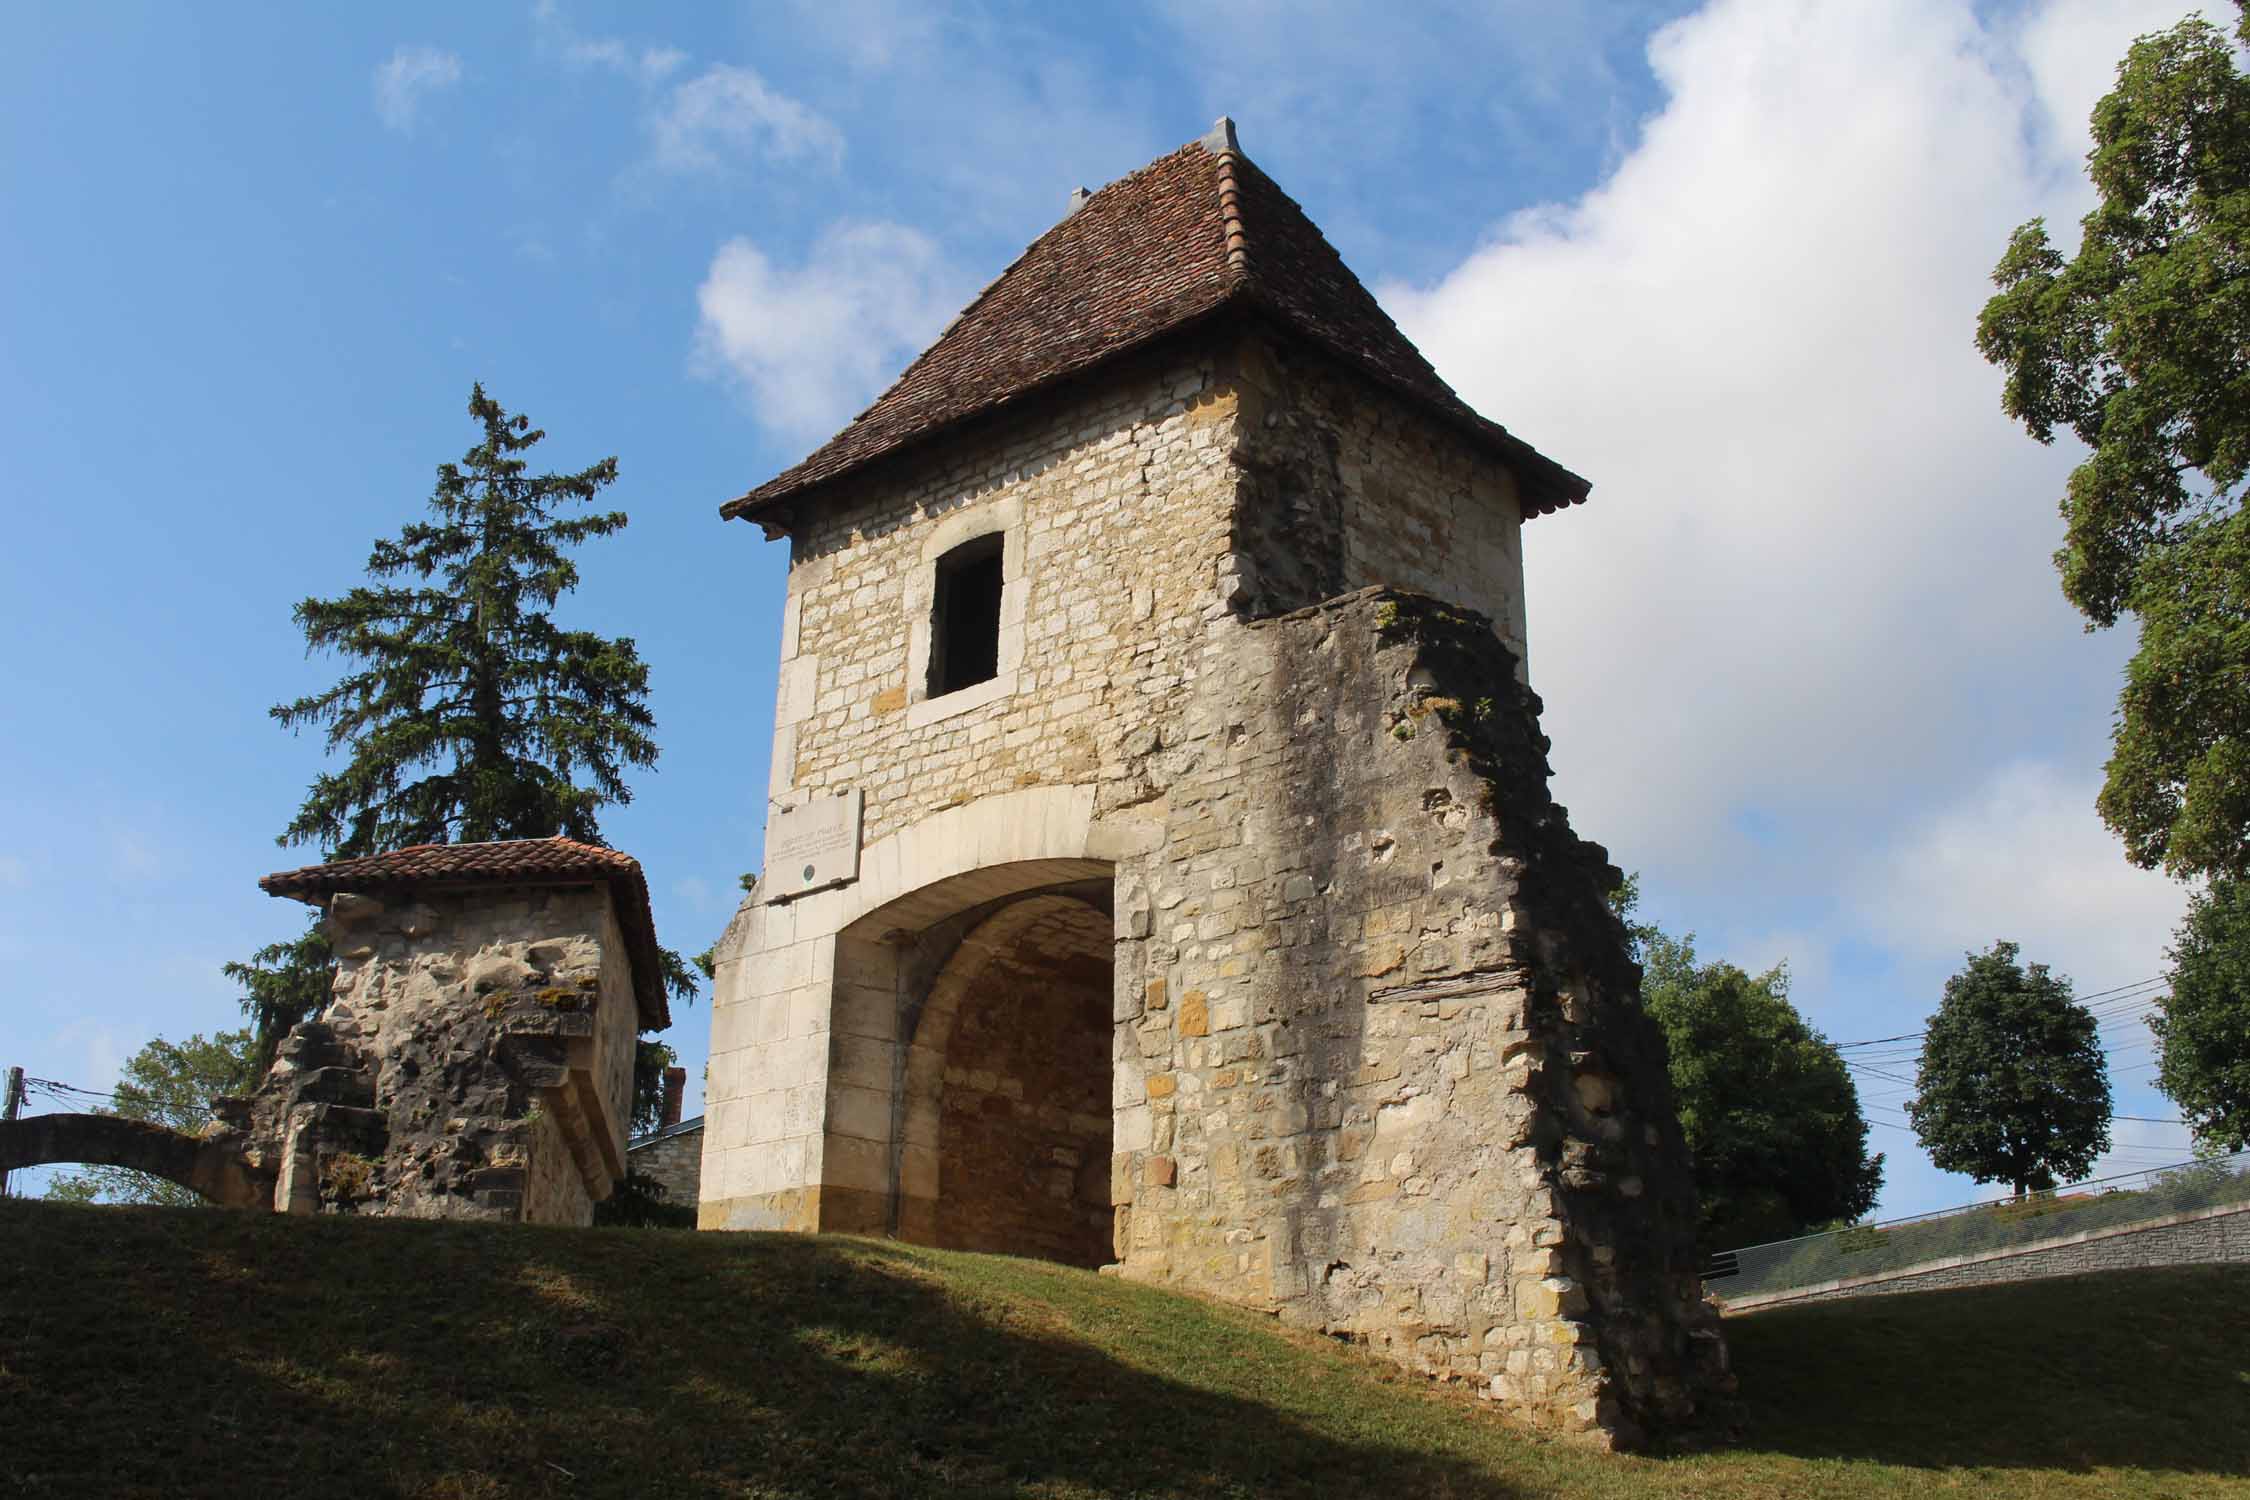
x=1977, y=1228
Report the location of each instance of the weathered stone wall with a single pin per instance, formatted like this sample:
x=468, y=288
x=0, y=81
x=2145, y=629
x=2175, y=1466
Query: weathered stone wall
x=475, y=1060
x=1115, y=508
x=1397, y=1078
x=675, y=1159
x=2204, y=1237
x=1345, y=486
x=1376, y=1056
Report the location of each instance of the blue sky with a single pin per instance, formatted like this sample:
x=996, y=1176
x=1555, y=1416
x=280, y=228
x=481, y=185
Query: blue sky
x=1806, y=665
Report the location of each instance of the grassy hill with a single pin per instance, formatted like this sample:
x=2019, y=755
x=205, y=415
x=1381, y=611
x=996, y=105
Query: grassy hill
x=198, y=1352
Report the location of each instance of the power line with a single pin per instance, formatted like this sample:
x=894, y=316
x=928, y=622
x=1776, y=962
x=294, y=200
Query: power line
x=2148, y=986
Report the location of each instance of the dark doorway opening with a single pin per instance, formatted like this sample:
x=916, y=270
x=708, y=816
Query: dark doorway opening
x=1023, y=1132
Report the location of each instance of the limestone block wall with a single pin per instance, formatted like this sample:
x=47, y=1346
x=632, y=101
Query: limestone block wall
x=475, y=1060
x=1345, y=486
x=1115, y=507
x=1397, y=1080
x=1375, y=1055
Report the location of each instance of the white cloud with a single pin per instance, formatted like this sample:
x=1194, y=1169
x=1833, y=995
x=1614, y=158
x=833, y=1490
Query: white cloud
x=648, y=65
x=645, y=64
x=872, y=34
x=1053, y=109
x=2022, y=856
x=1813, y=579
x=410, y=76
x=727, y=114
x=812, y=343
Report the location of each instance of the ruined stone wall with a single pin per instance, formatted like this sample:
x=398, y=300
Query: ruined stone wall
x=1115, y=507
x=1395, y=1075
x=475, y=1060
x=1346, y=486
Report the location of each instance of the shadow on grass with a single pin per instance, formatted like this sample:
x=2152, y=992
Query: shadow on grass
x=185, y=1352
x=2146, y=1368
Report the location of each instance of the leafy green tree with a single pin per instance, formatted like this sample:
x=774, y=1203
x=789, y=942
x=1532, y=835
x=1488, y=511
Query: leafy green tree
x=2203, y=1026
x=2011, y=1086
x=2140, y=346
x=467, y=713
x=1768, y=1107
x=166, y=1083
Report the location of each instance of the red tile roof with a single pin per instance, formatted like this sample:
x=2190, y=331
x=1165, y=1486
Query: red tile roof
x=1186, y=236
x=555, y=861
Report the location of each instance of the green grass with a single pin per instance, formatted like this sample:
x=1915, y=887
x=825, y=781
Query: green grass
x=198, y=1352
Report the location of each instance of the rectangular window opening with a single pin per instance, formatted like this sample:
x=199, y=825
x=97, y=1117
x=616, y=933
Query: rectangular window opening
x=965, y=629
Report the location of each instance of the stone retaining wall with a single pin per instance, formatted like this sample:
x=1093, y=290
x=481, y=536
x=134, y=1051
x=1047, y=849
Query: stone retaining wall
x=2203, y=1236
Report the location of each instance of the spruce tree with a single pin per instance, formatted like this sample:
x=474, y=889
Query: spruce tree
x=470, y=715
x=284, y=983
x=467, y=714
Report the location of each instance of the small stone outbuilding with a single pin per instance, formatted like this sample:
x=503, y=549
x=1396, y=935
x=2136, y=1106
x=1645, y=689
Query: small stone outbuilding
x=671, y=1155
x=1160, y=869
x=476, y=1059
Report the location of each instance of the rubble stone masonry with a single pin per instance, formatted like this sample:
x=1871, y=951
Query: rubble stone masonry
x=476, y=1060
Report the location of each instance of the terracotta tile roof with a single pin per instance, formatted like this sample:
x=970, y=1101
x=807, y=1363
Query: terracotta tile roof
x=555, y=861
x=1186, y=236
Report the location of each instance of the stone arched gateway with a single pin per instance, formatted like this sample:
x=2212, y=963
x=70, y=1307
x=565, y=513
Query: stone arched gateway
x=1234, y=584
x=1004, y=1101
x=972, y=939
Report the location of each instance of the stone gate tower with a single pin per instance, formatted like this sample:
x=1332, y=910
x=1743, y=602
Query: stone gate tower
x=1160, y=869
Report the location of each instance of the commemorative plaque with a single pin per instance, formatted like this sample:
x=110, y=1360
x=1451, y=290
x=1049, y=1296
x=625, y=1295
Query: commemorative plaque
x=813, y=846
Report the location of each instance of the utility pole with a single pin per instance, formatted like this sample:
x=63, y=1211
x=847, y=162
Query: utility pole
x=9, y=1109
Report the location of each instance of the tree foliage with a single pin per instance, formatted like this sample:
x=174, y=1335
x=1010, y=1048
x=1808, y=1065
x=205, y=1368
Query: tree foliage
x=469, y=714
x=166, y=1083
x=283, y=983
x=2140, y=346
x=639, y=1201
x=1768, y=1107
x=2011, y=1086
x=2203, y=1025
